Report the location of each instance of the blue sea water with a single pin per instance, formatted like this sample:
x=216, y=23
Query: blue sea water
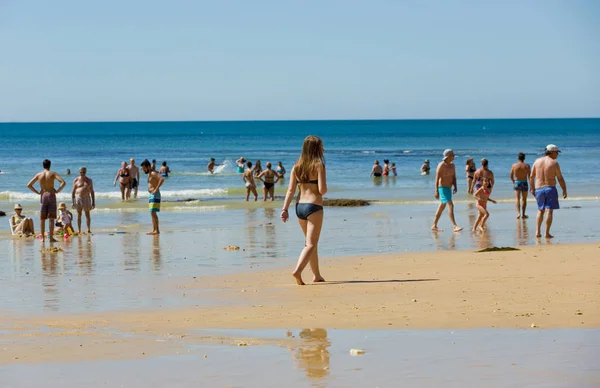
x=350, y=149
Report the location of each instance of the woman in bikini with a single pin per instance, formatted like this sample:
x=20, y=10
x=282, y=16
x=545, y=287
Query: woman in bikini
x=470, y=169
x=269, y=178
x=20, y=224
x=482, y=195
x=124, y=181
x=280, y=170
x=308, y=174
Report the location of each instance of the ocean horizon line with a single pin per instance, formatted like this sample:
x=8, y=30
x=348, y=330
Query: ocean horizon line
x=300, y=120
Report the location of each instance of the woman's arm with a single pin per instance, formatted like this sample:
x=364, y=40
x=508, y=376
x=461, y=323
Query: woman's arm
x=289, y=195
x=322, y=179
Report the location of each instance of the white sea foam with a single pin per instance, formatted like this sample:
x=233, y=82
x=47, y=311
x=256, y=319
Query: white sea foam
x=166, y=195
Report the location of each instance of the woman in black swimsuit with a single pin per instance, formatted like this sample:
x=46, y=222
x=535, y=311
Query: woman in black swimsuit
x=308, y=174
x=470, y=169
x=269, y=178
x=124, y=181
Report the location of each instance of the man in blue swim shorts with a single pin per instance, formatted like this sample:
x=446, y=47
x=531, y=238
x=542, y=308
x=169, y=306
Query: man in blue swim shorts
x=154, y=183
x=445, y=178
x=544, y=173
x=519, y=175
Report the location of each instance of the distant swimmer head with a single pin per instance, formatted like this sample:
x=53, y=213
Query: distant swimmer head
x=164, y=164
x=212, y=159
x=484, y=162
x=449, y=154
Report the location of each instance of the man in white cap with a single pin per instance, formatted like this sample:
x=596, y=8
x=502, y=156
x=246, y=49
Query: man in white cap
x=544, y=173
x=445, y=178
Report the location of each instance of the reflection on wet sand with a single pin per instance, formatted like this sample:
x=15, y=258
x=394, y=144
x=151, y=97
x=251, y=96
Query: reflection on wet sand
x=84, y=250
x=130, y=244
x=440, y=244
x=483, y=239
x=156, y=254
x=50, y=264
x=472, y=214
x=270, y=237
x=522, y=232
x=312, y=354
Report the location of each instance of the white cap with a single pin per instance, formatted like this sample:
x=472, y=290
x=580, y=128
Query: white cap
x=552, y=148
x=448, y=153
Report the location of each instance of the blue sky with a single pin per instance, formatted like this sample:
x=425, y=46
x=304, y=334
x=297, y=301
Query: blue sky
x=73, y=60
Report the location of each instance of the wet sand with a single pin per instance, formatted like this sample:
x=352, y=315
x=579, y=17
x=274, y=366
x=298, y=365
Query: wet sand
x=549, y=286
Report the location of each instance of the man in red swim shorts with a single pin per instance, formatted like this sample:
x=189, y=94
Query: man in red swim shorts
x=47, y=195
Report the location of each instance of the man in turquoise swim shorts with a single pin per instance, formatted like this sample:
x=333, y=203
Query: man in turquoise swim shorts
x=155, y=181
x=445, y=178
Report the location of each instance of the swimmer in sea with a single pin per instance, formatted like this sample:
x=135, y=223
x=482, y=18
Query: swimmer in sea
x=164, y=170
x=211, y=165
x=482, y=195
x=280, y=170
x=269, y=178
x=248, y=179
x=240, y=164
x=425, y=168
x=376, y=171
x=393, y=169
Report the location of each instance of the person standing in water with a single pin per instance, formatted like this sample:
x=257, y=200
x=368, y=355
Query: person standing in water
x=309, y=175
x=269, y=178
x=240, y=164
x=164, y=170
x=155, y=181
x=470, y=169
x=482, y=195
x=280, y=170
x=483, y=172
x=257, y=169
x=211, y=165
x=124, y=179
x=445, y=178
x=519, y=175
x=544, y=173
x=425, y=168
x=47, y=195
x=376, y=171
x=134, y=173
x=248, y=179
x=84, y=198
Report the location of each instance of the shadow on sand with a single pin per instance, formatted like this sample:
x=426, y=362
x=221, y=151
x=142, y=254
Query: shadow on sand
x=374, y=281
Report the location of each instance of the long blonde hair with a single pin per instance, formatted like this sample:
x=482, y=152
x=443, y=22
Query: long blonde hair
x=312, y=153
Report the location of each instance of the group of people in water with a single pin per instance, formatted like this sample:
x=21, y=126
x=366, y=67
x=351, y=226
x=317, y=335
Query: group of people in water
x=128, y=177
x=540, y=180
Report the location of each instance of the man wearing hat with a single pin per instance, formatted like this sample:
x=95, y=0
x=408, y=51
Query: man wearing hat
x=445, y=178
x=544, y=173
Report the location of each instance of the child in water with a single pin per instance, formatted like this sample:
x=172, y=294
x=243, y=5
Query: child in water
x=482, y=195
x=393, y=169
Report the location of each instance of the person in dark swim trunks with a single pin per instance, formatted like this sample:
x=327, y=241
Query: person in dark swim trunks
x=519, y=175
x=269, y=178
x=47, y=195
x=376, y=171
x=308, y=174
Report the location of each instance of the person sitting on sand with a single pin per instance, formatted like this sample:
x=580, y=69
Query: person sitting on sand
x=280, y=170
x=211, y=165
x=308, y=174
x=248, y=179
x=164, y=170
x=376, y=171
x=482, y=195
x=64, y=222
x=124, y=179
x=425, y=168
x=269, y=178
x=20, y=224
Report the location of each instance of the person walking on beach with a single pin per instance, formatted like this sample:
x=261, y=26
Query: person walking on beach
x=309, y=175
x=211, y=165
x=155, y=181
x=519, y=175
x=134, y=173
x=84, y=198
x=482, y=195
x=544, y=173
x=248, y=179
x=47, y=195
x=445, y=178
x=483, y=172
x=269, y=178
x=124, y=181
x=470, y=169
x=376, y=171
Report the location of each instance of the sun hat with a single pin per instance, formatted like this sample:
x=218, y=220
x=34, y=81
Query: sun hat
x=448, y=153
x=62, y=205
x=552, y=148
x=18, y=207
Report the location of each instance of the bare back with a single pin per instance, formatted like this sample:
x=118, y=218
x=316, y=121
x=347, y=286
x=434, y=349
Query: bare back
x=445, y=174
x=269, y=175
x=313, y=190
x=520, y=171
x=249, y=176
x=545, y=170
x=46, y=179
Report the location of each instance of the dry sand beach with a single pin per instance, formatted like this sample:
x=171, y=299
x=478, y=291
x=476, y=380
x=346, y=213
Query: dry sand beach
x=542, y=287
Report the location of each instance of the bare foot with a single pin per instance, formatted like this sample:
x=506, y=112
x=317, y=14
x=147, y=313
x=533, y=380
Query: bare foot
x=298, y=278
x=153, y=233
x=318, y=280
x=52, y=239
x=518, y=216
x=538, y=235
x=481, y=229
x=549, y=236
x=474, y=229
x=436, y=229
x=525, y=216
x=457, y=228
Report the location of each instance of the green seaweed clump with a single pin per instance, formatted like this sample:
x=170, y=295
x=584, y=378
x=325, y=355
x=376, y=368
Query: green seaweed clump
x=499, y=249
